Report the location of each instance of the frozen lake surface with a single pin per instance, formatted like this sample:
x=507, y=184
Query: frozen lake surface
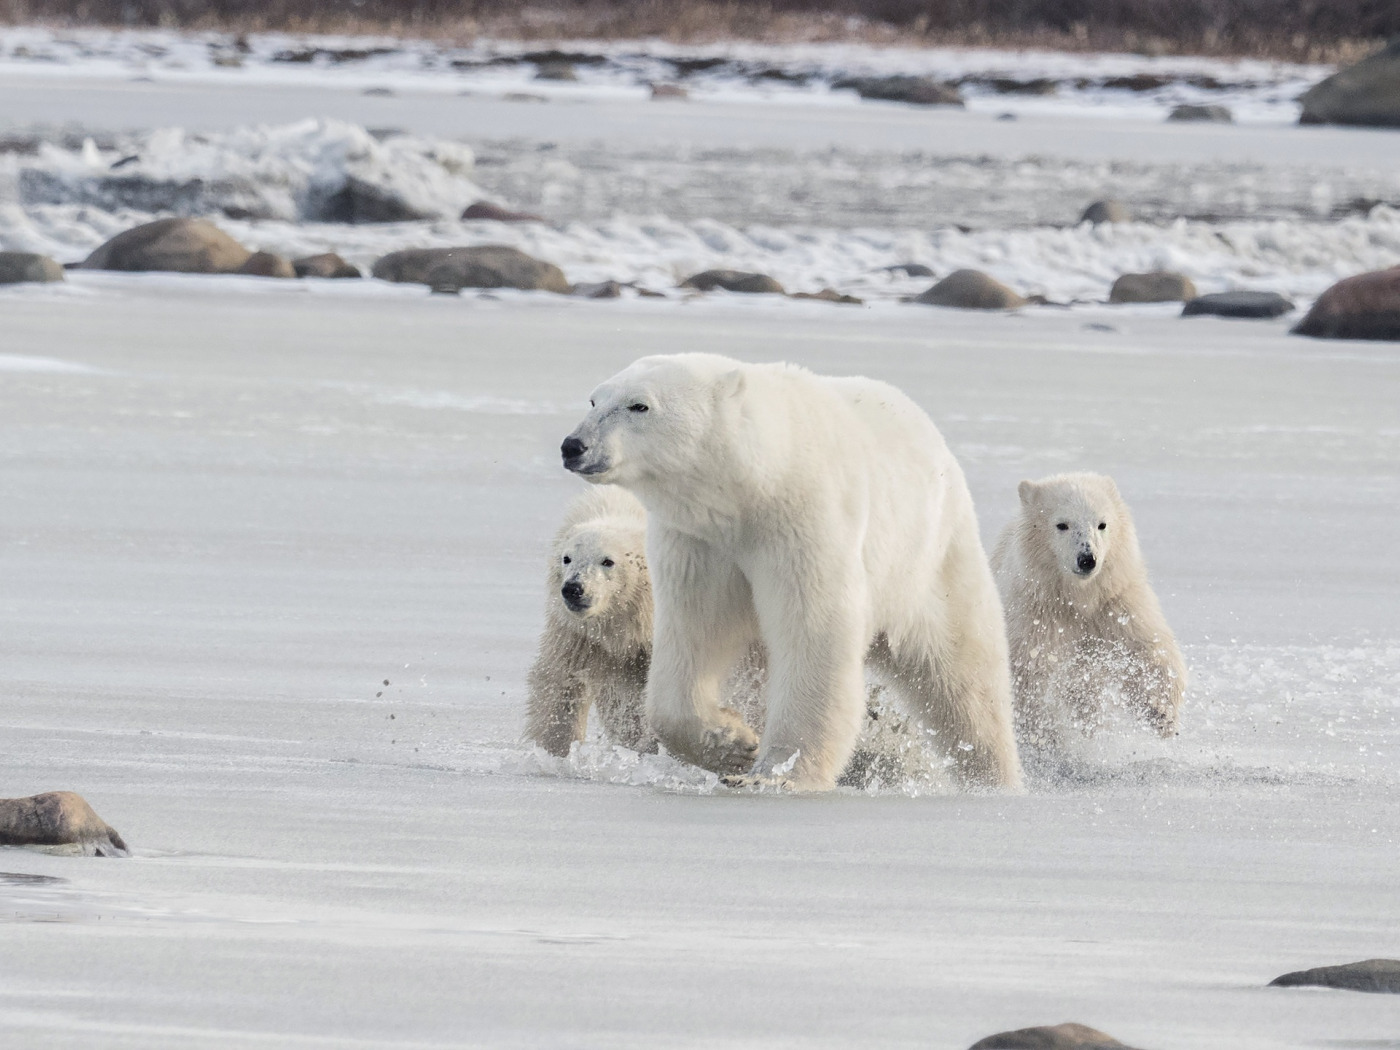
x=234, y=509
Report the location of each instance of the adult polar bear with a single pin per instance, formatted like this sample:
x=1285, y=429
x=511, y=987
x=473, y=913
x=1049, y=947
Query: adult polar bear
x=825, y=517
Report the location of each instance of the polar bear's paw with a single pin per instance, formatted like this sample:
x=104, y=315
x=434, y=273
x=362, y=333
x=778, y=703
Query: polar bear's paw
x=730, y=747
x=758, y=782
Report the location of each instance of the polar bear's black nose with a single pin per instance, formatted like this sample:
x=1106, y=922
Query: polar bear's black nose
x=572, y=448
x=572, y=593
x=1085, y=562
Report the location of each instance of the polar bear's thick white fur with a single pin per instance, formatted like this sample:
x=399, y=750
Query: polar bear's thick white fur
x=596, y=645
x=1082, y=619
x=826, y=518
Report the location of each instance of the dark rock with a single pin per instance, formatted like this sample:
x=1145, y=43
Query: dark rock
x=1138, y=82
x=555, y=71
x=57, y=818
x=970, y=290
x=911, y=269
x=570, y=58
x=829, y=295
x=327, y=264
x=1373, y=975
x=1160, y=286
x=1238, y=304
x=358, y=201
x=1068, y=1036
x=265, y=264
x=1366, y=306
x=684, y=67
x=494, y=212
x=1207, y=114
x=482, y=266
x=919, y=91
x=173, y=245
x=22, y=267
x=1009, y=86
x=1367, y=93
x=1106, y=211
x=733, y=281
x=597, y=290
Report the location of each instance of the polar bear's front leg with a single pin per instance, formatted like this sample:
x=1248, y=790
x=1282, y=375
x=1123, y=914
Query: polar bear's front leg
x=702, y=621
x=816, y=639
x=557, y=714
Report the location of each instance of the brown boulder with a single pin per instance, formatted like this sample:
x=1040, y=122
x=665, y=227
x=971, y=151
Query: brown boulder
x=494, y=212
x=23, y=267
x=1202, y=114
x=970, y=290
x=482, y=266
x=57, y=818
x=1367, y=93
x=1244, y=303
x=1160, y=286
x=1068, y=1036
x=1106, y=211
x=1366, y=306
x=918, y=91
x=327, y=264
x=170, y=245
x=829, y=295
x=733, y=281
x=265, y=264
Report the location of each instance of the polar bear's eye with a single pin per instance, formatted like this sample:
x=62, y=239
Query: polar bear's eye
x=1103, y=525
x=607, y=563
x=567, y=559
x=1062, y=526
x=638, y=407
x=591, y=404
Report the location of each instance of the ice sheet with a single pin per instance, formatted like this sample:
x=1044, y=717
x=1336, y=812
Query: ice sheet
x=273, y=497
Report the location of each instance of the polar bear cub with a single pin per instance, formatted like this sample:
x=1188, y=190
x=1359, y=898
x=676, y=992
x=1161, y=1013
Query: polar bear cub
x=596, y=646
x=826, y=518
x=1082, y=620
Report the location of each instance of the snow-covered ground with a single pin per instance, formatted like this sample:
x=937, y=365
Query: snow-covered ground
x=236, y=509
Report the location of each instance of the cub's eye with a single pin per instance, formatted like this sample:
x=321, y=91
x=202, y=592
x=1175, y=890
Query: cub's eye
x=1062, y=526
x=607, y=563
x=638, y=407
x=591, y=404
x=567, y=559
x=1103, y=525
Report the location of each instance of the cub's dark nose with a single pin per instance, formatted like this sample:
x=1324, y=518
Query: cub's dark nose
x=1085, y=562
x=572, y=593
x=572, y=448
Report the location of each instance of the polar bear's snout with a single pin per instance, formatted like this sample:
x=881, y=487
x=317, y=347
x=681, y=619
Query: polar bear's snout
x=1085, y=563
x=572, y=450
x=575, y=597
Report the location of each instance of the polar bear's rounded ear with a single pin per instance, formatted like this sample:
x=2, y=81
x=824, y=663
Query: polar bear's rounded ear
x=731, y=384
x=1027, y=492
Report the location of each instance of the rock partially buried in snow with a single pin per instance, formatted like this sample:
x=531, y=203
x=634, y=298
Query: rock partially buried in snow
x=910, y=269
x=58, y=818
x=918, y=91
x=1202, y=114
x=327, y=264
x=265, y=264
x=1160, y=286
x=1373, y=975
x=1106, y=211
x=25, y=267
x=829, y=295
x=494, y=212
x=359, y=202
x=660, y=92
x=170, y=245
x=482, y=266
x=1068, y=1036
x=971, y=290
x=1366, y=306
x=1367, y=93
x=733, y=281
x=1238, y=304
x=597, y=290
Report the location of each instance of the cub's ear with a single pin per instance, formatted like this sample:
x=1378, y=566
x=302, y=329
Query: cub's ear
x=1112, y=486
x=731, y=384
x=1027, y=491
